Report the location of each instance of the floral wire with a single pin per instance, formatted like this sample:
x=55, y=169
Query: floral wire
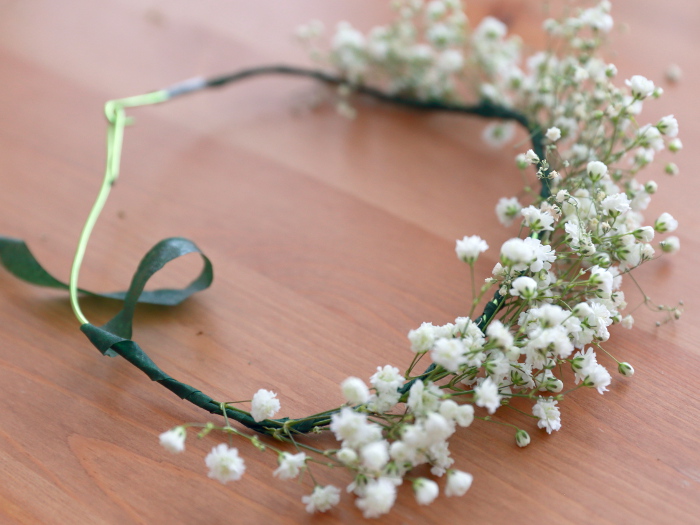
x=116, y=117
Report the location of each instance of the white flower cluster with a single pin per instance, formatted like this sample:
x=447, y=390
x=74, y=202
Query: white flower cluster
x=556, y=288
x=380, y=457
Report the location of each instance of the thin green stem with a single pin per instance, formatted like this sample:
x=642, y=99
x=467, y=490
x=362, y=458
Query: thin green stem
x=116, y=116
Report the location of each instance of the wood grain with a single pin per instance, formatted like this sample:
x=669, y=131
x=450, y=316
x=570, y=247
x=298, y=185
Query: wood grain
x=330, y=239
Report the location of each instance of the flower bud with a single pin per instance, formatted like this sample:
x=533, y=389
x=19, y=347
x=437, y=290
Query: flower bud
x=522, y=438
x=670, y=245
x=625, y=369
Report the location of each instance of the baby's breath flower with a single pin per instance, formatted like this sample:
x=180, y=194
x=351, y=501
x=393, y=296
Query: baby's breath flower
x=553, y=134
x=322, y=499
x=347, y=456
x=449, y=353
x=665, y=223
x=507, y=209
x=487, y=395
x=379, y=497
x=224, y=463
x=668, y=126
x=536, y=219
x=531, y=157
x=596, y=170
x=463, y=415
x=458, y=483
x=290, y=465
x=640, y=86
x=422, y=338
x=426, y=491
x=469, y=248
x=548, y=413
x=525, y=287
x=517, y=253
x=173, y=440
x=355, y=391
x=375, y=455
x=264, y=405
x=598, y=377
x=498, y=134
x=353, y=428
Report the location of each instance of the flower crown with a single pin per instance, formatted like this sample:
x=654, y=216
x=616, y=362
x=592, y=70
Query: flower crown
x=549, y=301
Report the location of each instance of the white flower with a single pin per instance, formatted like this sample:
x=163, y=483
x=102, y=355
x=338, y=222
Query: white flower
x=487, y=396
x=596, y=170
x=490, y=28
x=174, y=439
x=435, y=9
x=355, y=391
x=264, y=405
x=469, y=248
x=525, y=287
x=597, y=18
x=546, y=409
x=423, y=398
x=321, y=499
x=449, y=353
x=603, y=279
x=671, y=244
x=426, y=491
x=665, y=223
x=290, y=465
x=516, y=253
x=641, y=86
x=422, y=338
x=499, y=335
x=668, y=126
x=507, y=209
x=437, y=428
x=627, y=322
x=224, y=463
x=353, y=428
x=553, y=134
x=536, y=219
x=615, y=204
x=544, y=254
x=375, y=455
x=522, y=438
x=458, y=483
x=450, y=61
x=463, y=415
x=531, y=157
x=644, y=234
x=386, y=379
x=582, y=363
x=598, y=377
x=498, y=134
x=347, y=36
x=379, y=497
x=346, y=456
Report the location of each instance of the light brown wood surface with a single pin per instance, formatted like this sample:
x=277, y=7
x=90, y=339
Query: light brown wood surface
x=330, y=239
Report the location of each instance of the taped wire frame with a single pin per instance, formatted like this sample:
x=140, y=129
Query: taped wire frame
x=114, y=338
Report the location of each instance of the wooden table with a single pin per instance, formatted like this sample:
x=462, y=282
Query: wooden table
x=331, y=239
